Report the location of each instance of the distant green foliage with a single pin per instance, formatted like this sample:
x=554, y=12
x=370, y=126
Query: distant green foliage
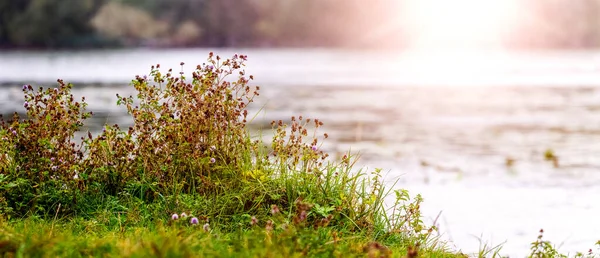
x=47, y=23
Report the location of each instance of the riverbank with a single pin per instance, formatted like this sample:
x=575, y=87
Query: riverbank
x=188, y=170
x=222, y=179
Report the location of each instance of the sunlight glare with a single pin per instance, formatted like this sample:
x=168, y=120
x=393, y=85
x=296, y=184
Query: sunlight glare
x=443, y=24
x=449, y=42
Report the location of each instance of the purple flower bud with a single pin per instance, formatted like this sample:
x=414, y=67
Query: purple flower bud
x=52, y=159
x=174, y=216
x=314, y=147
x=25, y=105
x=14, y=132
x=212, y=160
x=24, y=86
x=210, y=67
x=145, y=77
x=194, y=221
x=54, y=168
x=206, y=227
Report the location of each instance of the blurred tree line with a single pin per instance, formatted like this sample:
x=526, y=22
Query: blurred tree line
x=48, y=23
x=249, y=23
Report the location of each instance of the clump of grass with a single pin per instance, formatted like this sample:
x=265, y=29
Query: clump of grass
x=39, y=157
x=549, y=155
x=189, y=153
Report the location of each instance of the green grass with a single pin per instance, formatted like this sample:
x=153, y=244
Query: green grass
x=189, y=151
x=82, y=237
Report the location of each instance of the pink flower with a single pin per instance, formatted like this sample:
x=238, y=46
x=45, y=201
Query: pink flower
x=174, y=216
x=302, y=216
x=274, y=209
x=194, y=221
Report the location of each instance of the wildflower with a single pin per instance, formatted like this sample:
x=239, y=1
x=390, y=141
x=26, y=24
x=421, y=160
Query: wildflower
x=212, y=160
x=253, y=221
x=213, y=148
x=25, y=105
x=269, y=225
x=274, y=209
x=206, y=227
x=194, y=221
x=174, y=216
x=183, y=215
x=24, y=86
x=302, y=216
x=314, y=147
x=54, y=168
x=52, y=159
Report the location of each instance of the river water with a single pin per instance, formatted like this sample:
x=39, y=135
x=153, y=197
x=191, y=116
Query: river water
x=466, y=130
